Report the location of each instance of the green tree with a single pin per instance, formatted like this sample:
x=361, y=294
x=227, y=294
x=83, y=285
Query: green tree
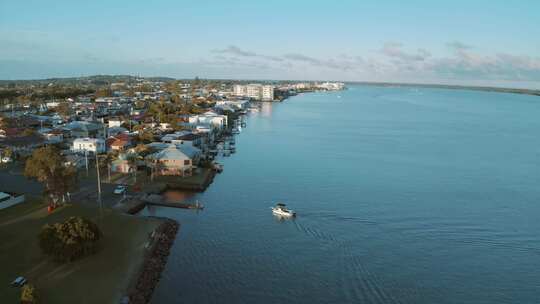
x=74, y=238
x=146, y=136
x=104, y=92
x=143, y=150
x=47, y=165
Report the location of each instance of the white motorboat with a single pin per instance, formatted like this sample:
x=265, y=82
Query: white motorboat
x=281, y=210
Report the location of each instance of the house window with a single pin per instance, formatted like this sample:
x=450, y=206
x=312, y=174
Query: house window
x=186, y=162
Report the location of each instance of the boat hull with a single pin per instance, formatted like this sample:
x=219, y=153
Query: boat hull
x=283, y=213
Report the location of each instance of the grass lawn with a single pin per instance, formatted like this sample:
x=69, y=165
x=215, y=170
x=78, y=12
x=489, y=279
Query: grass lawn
x=100, y=278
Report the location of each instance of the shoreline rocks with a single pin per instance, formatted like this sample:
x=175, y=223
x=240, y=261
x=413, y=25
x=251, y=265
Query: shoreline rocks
x=155, y=260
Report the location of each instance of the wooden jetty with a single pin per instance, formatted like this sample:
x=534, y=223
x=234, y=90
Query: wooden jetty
x=158, y=200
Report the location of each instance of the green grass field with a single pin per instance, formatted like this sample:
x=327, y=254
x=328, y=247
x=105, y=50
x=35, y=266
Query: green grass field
x=100, y=278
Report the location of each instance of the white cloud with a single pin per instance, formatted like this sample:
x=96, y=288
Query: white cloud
x=395, y=50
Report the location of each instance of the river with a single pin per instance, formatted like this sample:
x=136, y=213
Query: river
x=403, y=195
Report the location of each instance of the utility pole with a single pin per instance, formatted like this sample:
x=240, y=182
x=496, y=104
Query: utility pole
x=98, y=181
x=86, y=159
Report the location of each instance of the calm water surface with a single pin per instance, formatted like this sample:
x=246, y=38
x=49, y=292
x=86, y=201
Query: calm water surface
x=403, y=195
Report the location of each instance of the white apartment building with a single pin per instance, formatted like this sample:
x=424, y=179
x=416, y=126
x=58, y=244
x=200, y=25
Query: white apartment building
x=267, y=93
x=239, y=90
x=255, y=91
x=93, y=145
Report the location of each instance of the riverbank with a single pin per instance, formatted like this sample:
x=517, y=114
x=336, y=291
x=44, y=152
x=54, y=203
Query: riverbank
x=146, y=279
x=111, y=269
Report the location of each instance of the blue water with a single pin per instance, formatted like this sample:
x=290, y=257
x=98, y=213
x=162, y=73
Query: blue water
x=404, y=195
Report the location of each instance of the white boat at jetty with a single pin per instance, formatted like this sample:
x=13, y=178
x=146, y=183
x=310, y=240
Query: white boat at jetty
x=281, y=210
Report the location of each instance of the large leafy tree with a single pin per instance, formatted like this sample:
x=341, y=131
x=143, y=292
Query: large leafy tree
x=47, y=165
x=74, y=238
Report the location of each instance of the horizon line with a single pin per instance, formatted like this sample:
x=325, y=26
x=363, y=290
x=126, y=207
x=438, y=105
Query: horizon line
x=386, y=83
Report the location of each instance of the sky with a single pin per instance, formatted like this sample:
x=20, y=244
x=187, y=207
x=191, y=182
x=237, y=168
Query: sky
x=493, y=43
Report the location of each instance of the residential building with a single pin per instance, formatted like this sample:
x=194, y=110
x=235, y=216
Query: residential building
x=52, y=136
x=22, y=144
x=92, y=145
x=174, y=160
x=239, y=90
x=267, y=93
x=120, y=142
x=210, y=118
x=115, y=123
x=255, y=91
x=81, y=129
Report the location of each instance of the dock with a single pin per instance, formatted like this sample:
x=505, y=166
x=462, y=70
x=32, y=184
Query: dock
x=135, y=204
x=158, y=200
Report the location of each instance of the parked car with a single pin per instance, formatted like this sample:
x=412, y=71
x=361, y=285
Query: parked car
x=120, y=189
x=6, y=159
x=19, y=282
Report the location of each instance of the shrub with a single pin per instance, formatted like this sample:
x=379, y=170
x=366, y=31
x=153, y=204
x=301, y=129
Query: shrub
x=29, y=294
x=74, y=238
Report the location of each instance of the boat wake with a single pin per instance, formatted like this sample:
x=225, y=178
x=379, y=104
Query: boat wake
x=357, y=283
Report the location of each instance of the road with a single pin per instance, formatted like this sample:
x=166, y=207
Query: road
x=13, y=180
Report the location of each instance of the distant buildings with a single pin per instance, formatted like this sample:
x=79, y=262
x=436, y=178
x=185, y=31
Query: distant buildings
x=189, y=119
x=255, y=91
x=267, y=93
x=313, y=86
x=331, y=86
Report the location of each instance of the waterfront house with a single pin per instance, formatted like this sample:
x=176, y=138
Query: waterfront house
x=209, y=118
x=174, y=160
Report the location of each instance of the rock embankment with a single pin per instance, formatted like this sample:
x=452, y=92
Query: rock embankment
x=160, y=244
